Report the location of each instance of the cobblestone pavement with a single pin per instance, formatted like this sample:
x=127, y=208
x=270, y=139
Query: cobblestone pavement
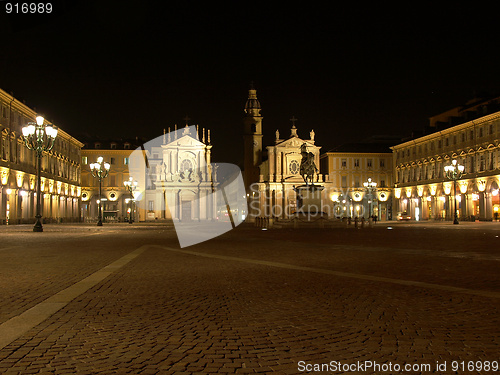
x=253, y=301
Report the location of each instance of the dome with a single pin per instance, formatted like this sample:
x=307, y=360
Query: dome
x=252, y=105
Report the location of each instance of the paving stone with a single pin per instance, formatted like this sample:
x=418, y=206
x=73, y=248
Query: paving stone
x=171, y=312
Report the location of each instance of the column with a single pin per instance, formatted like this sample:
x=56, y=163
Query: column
x=464, y=205
x=488, y=206
x=482, y=205
x=272, y=170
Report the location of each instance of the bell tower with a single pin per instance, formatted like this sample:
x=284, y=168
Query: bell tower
x=252, y=123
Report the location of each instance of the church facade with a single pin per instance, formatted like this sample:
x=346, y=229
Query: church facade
x=273, y=185
x=175, y=178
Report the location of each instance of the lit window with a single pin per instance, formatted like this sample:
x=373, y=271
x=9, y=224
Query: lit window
x=84, y=160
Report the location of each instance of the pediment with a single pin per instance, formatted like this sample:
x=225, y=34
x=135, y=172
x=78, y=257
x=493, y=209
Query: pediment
x=295, y=142
x=185, y=141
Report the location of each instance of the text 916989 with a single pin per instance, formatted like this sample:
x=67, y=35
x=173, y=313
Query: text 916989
x=28, y=8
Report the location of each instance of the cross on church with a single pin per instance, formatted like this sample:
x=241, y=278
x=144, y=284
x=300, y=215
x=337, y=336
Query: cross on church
x=186, y=119
x=293, y=120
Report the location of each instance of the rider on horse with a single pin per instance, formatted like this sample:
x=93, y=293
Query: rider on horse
x=307, y=165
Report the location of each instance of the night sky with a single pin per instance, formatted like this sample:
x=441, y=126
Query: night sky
x=120, y=70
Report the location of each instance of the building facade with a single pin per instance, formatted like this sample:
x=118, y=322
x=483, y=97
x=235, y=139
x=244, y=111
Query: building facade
x=178, y=181
x=348, y=168
x=116, y=199
x=60, y=170
x=469, y=134
x=273, y=185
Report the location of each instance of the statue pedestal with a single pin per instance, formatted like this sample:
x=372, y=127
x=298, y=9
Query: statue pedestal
x=309, y=201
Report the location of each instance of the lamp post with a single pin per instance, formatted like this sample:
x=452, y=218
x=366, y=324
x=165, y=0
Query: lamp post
x=131, y=185
x=370, y=185
x=454, y=172
x=99, y=170
x=40, y=138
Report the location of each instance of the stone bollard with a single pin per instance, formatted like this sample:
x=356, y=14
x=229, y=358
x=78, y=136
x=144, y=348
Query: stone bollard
x=356, y=222
x=362, y=222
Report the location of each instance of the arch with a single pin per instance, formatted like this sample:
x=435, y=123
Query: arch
x=492, y=184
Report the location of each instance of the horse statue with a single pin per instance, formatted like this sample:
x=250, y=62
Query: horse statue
x=307, y=165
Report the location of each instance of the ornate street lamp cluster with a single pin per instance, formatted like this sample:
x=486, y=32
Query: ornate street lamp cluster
x=370, y=186
x=40, y=138
x=454, y=172
x=130, y=185
x=99, y=170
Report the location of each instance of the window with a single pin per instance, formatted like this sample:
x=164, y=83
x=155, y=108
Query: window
x=382, y=183
x=125, y=161
x=294, y=167
x=151, y=205
x=186, y=165
x=97, y=145
x=382, y=163
x=369, y=163
x=344, y=181
x=480, y=132
x=84, y=160
x=112, y=161
x=113, y=146
x=463, y=137
x=344, y=163
x=356, y=162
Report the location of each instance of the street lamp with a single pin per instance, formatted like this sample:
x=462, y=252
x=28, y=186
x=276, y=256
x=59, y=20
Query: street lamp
x=370, y=185
x=130, y=185
x=40, y=138
x=454, y=172
x=99, y=170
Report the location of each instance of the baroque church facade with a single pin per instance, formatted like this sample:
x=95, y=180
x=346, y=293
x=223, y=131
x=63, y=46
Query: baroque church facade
x=175, y=176
x=272, y=185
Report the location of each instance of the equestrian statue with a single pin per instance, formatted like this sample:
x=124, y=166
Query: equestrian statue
x=307, y=165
